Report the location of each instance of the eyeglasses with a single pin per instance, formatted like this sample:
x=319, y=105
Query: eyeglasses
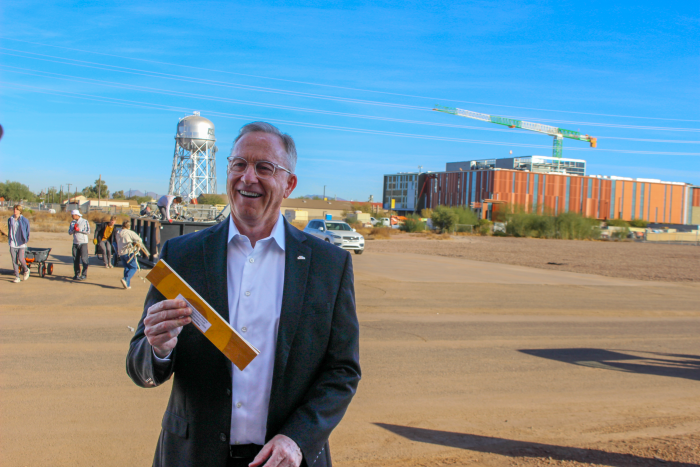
x=263, y=169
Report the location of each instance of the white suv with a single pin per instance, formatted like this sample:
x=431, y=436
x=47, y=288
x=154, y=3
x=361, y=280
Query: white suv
x=338, y=233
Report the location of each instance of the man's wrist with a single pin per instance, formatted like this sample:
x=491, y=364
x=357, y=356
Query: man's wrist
x=161, y=359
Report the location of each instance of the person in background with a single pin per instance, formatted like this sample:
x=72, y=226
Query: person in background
x=128, y=245
x=146, y=211
x=79, y=229
x=164, y=204
x=104, y=237
x=18, y=235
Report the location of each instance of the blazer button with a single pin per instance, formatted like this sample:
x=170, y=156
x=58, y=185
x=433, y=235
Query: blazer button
x=228, y=392
x=222, y=437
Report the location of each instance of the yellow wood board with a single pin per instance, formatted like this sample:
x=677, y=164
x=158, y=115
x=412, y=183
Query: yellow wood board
x=204, y=317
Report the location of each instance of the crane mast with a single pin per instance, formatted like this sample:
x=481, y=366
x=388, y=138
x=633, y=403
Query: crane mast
x=557, y=133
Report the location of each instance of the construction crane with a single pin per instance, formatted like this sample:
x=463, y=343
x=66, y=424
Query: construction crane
x=558, y=133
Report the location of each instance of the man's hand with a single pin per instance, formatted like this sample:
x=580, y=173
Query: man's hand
x=280, y=451
x=163, y=323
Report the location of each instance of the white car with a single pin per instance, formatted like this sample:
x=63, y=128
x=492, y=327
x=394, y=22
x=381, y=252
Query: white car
x=338, y=233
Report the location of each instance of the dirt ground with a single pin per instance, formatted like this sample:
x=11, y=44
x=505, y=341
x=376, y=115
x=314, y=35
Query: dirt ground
x=634, y=260
x=464, y=362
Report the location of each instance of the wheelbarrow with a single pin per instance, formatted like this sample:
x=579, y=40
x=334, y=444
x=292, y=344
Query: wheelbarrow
x=39, y=256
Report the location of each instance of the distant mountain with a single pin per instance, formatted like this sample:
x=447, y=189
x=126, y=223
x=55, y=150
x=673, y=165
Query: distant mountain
x=130, y=193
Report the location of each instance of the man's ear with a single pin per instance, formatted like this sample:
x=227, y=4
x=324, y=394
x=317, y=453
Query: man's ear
x=291, y=185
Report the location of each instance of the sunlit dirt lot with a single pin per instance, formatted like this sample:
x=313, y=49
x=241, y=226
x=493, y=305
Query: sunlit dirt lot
x=474, y=352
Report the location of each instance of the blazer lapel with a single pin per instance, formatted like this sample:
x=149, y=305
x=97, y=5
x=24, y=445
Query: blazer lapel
x=297, y=258
x=215, y=247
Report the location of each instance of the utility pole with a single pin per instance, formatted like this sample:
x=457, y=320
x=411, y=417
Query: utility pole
x=324, y=192
x=69, y=184
x=99, y=190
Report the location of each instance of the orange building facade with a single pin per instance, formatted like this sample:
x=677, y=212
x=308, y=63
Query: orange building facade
x=554, y=193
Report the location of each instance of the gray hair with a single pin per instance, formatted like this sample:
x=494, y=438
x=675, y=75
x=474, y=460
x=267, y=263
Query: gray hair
x=264, y=127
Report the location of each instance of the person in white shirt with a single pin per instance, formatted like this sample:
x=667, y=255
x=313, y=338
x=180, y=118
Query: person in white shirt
x=164, y=204
x=79, y=229
x=287, y=293
x=18, y=236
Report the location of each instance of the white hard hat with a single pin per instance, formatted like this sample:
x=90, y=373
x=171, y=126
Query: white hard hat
x=75, y=212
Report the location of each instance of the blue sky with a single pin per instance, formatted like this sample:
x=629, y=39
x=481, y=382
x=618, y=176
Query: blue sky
x=313, y=67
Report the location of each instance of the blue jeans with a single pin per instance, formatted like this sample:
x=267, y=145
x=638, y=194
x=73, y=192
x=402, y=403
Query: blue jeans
x=130, y=268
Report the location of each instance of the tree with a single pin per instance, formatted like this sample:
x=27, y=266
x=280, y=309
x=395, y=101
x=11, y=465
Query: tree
x=118, y=195
x=444, y=218
x=363, y=207
x=51, y=195
x=95, y=192
x=16, y=191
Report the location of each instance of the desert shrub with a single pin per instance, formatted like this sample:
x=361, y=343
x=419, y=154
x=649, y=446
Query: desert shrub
x=543, y=226
x=381, y=232
x=444, y=218
x=412, y=224
x=519, y=224
x=212, y=199
x=617, y=223
x=485, y=227
x=639, y=223
x=572, y=226
x=465, y=216
x=620, y=234
x=566, y=225
x=426, y=213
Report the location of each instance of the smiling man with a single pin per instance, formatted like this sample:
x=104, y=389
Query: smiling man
x=287, y=293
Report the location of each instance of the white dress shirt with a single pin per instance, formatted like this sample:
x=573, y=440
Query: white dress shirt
x=255, y=281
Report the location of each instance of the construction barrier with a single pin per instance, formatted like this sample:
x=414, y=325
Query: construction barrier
x=686, y=237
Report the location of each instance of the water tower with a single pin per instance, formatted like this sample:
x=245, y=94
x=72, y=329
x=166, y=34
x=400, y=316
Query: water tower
x=194, y=161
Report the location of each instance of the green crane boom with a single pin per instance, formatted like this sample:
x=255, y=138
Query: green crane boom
x=558, y=133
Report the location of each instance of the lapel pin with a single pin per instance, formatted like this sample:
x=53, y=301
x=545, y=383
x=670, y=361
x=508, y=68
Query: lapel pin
x=300, y=257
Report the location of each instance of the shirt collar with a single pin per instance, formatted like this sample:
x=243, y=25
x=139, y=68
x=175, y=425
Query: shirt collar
x=277, y=232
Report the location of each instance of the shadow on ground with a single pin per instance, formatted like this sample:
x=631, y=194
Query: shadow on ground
x=513, y=448
x=648, y=363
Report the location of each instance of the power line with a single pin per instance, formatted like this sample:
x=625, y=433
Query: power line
x=152, y=74
x=118, y=85
x=345, y=87
x=129, y=103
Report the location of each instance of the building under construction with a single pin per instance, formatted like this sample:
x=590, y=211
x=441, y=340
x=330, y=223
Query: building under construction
x=545, y=185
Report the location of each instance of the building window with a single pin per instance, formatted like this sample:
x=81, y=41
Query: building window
x=634, y=200
x=613, y=183
x=568, y=192
x=535, y=192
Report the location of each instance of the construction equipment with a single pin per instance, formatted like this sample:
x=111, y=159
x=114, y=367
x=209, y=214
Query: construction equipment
x=40, y=257
x=558, y=133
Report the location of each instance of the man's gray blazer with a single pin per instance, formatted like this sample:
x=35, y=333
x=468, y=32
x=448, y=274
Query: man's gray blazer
x=316, y=369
